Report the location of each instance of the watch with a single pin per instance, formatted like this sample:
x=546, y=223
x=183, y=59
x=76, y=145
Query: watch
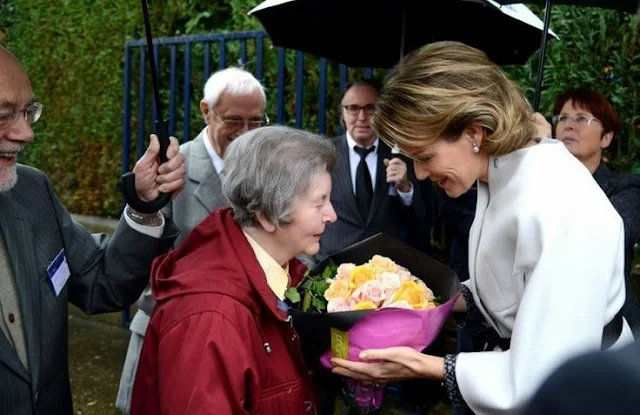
x=144, y=219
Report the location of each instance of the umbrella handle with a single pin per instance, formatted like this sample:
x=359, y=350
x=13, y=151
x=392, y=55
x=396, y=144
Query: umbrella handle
x=129, y=179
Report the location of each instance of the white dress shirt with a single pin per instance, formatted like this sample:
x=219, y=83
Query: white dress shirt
x=372, y=164
x=217, y=161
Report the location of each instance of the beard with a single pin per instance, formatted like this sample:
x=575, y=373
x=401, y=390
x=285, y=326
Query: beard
x=8, y=178
x=9, y=175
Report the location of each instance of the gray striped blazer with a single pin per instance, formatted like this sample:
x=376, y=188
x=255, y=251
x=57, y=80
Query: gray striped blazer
x=106, y=275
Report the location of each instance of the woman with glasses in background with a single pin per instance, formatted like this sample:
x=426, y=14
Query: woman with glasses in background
x=586, y=122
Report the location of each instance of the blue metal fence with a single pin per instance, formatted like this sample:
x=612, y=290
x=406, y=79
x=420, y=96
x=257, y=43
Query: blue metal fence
x=306, y=98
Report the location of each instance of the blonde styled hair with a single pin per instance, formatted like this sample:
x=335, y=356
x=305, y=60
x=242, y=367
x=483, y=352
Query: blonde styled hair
x=440, y=89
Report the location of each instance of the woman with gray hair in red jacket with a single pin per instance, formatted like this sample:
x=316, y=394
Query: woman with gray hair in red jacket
x=220, y=340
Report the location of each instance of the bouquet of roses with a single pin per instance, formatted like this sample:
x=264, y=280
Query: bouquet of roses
x=376, y=294
x=378, y=283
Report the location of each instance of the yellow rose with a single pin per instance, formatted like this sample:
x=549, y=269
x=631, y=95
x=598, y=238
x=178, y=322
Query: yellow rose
x=427, y=291
x=365, y=305
x=423, y=305
x=412, y=293
x=430, y=305
x=338, y=289
x=359, y=275
x=382, y=264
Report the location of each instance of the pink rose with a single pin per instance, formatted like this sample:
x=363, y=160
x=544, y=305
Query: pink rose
x=372, y=290
x=390, y=281
x=338, y=305
x=405, y=275
x=344, y=271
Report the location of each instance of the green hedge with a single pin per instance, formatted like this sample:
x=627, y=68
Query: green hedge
x=599, y=49
x=73, y=53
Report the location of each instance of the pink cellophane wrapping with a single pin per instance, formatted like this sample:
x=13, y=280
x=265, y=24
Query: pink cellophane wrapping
x=390, y=327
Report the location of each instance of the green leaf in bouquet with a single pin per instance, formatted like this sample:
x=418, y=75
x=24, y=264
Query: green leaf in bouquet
x=330, y=271
x=320, y=287
x=306, y=285
x=438, y=300
x=306, y=302
x=292, y=295
x=319, y=304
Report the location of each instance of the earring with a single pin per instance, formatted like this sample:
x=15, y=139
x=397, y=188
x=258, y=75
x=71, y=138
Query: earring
x=476, y=148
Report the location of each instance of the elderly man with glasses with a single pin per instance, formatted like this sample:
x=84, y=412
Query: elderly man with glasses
x=47, y=260
x=234, y=102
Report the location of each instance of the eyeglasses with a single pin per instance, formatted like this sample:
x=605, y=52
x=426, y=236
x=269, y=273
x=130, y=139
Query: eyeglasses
x=236, y=123
x=581, y=120
x=368, y=109
x=9, y=113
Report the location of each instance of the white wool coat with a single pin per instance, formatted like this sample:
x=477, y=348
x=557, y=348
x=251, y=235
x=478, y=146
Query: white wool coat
x=546, y=262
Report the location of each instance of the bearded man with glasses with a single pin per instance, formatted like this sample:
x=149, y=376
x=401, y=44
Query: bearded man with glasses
x=9, y=115
x=48, y=260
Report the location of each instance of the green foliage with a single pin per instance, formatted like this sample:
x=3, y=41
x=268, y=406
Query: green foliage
x=599, y=49
x=311, y=290
x=73, y=53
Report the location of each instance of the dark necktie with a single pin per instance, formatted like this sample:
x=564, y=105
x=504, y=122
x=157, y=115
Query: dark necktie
x=364, y=188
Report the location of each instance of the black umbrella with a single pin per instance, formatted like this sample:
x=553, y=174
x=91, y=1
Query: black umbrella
x=129, y=180
x=630, y=6
x=376, y=33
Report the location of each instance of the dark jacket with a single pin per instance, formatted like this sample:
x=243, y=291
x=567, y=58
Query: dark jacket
x=106, y=274
x=217, y=342
x=623, y=190
x=387, y=213
x=457, y=215
x=599, y=383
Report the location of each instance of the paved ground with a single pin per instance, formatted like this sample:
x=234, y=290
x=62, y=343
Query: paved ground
x=96, y=354
x=97, y=347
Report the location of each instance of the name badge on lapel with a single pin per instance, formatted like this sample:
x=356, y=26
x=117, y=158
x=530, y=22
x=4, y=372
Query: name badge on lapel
x=58, y=272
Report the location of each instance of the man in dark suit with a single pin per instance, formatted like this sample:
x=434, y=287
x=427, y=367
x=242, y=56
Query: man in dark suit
x=373, y=190
x=48, y=260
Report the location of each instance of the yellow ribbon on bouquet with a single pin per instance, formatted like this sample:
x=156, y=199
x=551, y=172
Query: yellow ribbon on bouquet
x=339, y=344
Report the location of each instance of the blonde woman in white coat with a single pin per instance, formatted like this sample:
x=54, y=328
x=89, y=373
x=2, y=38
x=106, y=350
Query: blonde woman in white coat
x=546, y=249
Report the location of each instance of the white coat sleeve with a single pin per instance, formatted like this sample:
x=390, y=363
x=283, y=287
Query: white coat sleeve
x=574, y=285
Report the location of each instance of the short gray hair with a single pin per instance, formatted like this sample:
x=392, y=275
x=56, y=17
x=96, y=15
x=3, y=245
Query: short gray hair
x=267, y=168
x=233, y=81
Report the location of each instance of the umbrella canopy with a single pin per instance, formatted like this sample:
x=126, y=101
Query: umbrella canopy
x=623, y=5
x=376, y=33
